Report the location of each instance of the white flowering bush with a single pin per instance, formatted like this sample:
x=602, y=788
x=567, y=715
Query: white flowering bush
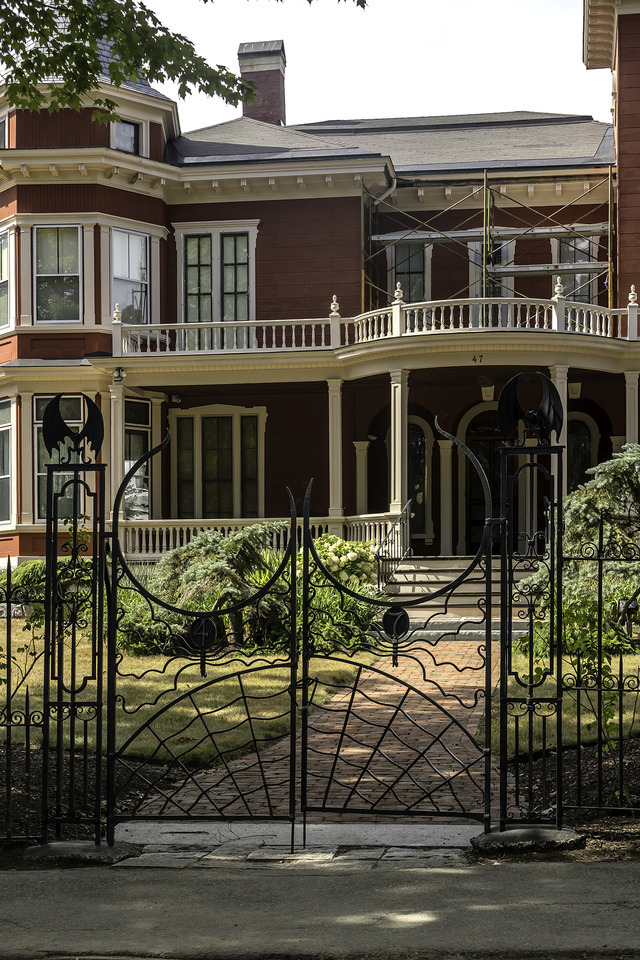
x=348, y=561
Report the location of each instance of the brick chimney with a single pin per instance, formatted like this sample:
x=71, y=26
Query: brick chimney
x=264, y=63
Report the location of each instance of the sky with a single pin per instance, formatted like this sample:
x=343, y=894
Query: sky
x=400, y=57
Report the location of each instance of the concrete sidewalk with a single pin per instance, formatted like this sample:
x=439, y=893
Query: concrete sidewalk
x=414, y=902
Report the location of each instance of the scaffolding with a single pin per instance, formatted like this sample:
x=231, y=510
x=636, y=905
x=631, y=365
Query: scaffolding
x=490, y=220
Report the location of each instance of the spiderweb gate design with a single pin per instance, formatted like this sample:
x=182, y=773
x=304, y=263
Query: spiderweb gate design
x=345, y=707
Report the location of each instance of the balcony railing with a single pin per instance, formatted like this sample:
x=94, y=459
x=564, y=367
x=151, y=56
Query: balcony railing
x=400, y=320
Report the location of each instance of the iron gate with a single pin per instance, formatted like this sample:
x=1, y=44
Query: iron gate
x=300, y=695
x=307, y=697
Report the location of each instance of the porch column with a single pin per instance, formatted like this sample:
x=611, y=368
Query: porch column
x=117, y=439
x=362, y=451
x=399, y=439
x=335, y=449
x=631, y=405
x=559, y=376
x=26, y=456
x=446, y=505
x=105, y=410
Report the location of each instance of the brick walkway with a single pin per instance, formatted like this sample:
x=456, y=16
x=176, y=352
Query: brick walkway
x=400, y=741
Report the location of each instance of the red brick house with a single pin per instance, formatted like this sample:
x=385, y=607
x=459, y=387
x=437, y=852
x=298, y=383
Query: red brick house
x=303, y=301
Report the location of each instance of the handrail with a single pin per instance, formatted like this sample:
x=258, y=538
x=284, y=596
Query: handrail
x=395, y=546
x=398, y=320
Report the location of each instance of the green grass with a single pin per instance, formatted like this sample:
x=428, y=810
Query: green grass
x=630, y=725
x=166, y=700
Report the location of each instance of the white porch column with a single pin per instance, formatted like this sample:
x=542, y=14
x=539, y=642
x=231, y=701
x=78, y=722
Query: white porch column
x=335, y=448
x=446, y=504
x=631, y=405
x=26, y=456
x=559, y=376
x=154, y=299
x=117, y=439
x=362, y=452
x=156, y=463
x=399, y=439
x=105, y=409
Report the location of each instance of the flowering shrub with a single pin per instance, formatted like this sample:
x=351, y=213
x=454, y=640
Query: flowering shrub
x=351, y=562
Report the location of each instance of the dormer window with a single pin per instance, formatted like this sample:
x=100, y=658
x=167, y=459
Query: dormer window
x=127, y=137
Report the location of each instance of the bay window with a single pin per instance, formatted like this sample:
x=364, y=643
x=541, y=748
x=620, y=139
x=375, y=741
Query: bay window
x=130, y=275
x=4, y=279
x=57, y=274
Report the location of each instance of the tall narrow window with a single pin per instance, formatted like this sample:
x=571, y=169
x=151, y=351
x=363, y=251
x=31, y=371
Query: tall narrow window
x=197, y=279
x=217, y=466
x=3, y=133
x=409, y=271
x=137, y=436
x=5, y=460
x=577, y=286
x=235, y=276
x=130, y=275
x=72, y=414
x=4, y=279
x=57, y=273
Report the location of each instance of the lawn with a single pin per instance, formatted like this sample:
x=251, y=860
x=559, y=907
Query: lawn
x=238, y=702
x=624, y=708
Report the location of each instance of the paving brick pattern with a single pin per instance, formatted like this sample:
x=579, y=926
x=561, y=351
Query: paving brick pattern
x=401, y=741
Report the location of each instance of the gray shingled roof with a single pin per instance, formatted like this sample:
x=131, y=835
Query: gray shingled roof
x=499, y=141
x=141, y=84
x=244, y=139
x=475, y=141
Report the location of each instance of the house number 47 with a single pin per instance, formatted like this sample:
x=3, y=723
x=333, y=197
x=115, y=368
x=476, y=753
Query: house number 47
x=478, y=358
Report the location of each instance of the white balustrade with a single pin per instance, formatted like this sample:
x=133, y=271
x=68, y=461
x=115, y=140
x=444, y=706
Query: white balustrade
x=370, y=528
x=398, y=320
x=151, y=539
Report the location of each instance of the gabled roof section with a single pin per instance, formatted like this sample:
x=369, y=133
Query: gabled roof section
x=249, y=140
x=500, y=141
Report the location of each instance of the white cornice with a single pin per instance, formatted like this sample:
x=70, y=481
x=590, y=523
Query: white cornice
x=84, y=220
x=199, y=184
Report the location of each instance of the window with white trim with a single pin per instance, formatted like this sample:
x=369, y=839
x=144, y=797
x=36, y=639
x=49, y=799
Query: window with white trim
x=126, y=136
x=4, y=279
x=137, y=442
x=71, y=410
x=4, y=130
x=130, y=275
x=5, y=460
x=218, y=270
x=219, y=462
x=57, y=274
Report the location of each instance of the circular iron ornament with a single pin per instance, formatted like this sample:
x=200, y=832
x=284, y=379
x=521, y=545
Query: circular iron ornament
x=395, y=622
x=548, y=417
x=203, y=634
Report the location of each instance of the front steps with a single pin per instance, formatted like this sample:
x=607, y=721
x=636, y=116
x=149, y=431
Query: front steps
x=420, y=577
